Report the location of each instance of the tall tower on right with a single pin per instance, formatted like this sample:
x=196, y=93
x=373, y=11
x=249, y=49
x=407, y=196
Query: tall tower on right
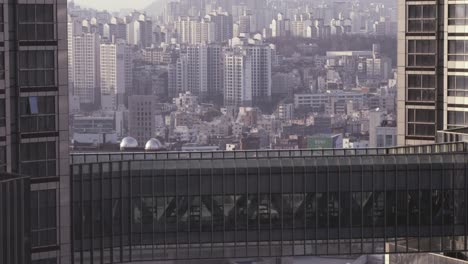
x=422, y=37
x=432, y=69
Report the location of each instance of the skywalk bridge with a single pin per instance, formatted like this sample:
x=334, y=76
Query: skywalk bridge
x=205, y=205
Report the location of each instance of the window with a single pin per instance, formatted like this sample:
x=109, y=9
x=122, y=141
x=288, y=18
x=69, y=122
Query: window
x=37, y=68
x=457, y=119
x=2, y=65
x=457, y=50
x=457, y=85
x=38, y=159
x=37, y=114
x=2, y=113
x=421, y=87
x=36, y=22
x=457, y=14
x=421, y=122
x=3, y=159
x=389, y=142
x=421, y=53
x=2, y=19
x=421, y=18
x=380, y=141
x=43, y=218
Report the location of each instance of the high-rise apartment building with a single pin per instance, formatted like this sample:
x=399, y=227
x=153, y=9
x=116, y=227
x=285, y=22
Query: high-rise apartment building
x=247, y=23
x=280, y=26
x=34, y=117
x=183, y=28
x=247, y=73
x=86, y=67
x=432, y=77
x=195, y=31
x=74, y=28
x=223, y=25
x=116, y=73
x=177, y=76
x=140, y=31
x=197, y=78
x=171, y=12
x=198, y=70
x=115, y=29
x=215, y=68
x=143, y=110
x=237, y=89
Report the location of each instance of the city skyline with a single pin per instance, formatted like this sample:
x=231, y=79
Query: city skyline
x=198, y=130
x=114, y=5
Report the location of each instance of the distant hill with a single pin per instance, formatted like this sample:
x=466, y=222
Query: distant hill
x=156, y=8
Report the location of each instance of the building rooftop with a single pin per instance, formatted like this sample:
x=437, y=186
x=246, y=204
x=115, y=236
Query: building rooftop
x=86, y=157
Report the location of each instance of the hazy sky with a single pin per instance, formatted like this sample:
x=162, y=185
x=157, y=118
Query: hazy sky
x=114, y=5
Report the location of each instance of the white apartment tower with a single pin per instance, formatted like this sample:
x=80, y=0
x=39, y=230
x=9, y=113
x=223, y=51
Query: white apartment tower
x=195, y=31
x=197, y=69
x=74, y=27
x=184, y=29
x=85, y=71
x=251, y=62
x=237, y=79
x=116, y=73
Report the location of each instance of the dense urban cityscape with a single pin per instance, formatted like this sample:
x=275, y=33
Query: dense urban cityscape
x=234, y=76
x=233, y=131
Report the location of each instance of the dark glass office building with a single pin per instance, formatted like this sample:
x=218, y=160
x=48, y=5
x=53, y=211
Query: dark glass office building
x=130, y=207
x=14, y=219
x=34, y=119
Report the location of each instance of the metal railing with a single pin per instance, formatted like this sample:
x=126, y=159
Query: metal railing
x=96, y=157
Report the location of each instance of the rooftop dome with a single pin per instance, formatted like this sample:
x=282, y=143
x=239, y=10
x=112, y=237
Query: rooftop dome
x=128, y=142
x=153, y=144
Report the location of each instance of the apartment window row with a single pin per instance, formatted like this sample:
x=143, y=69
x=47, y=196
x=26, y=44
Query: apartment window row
x=37, y=114
x=458, y=14
x=43, y=218
x=421, y=87
x=458, y=50
x=37, y=68
x=456, y=119
x=38, y=159
x=457, y=85
x=421, y=122
x=36, y=22
x=422, y=18
x=421, y=53
x=36, y=59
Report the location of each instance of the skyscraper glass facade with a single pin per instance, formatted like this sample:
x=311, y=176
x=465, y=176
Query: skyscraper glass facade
x=165, y=206
x=15, y=235
x=34, y=120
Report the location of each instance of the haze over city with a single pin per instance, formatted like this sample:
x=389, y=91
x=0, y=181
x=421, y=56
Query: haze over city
x=115, y=5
